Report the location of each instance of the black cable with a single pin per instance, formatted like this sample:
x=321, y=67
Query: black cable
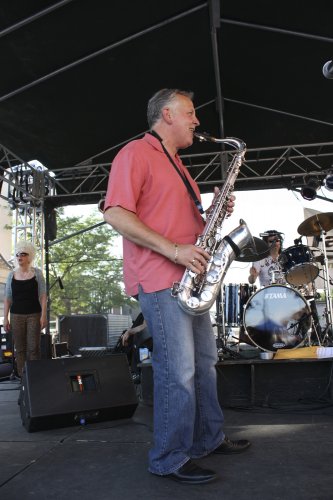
x=86, y=426
x=286, y=408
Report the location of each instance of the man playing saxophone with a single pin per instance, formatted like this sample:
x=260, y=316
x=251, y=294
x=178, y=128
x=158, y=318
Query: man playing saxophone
x=153, y=202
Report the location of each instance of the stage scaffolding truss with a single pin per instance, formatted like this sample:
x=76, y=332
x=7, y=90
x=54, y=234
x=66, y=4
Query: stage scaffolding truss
x=286, y=167
x=24, y=186
x=28, y=187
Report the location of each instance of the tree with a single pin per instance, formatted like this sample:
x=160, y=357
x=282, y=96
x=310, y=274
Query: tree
x=91, y=277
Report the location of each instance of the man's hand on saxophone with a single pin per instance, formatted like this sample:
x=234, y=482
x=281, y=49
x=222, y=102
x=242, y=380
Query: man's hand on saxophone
x=193, y=257
x=230, y=205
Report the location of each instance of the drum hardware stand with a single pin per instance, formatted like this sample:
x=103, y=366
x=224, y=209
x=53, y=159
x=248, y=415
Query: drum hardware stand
x=222, y=336
x=315, y=323
x=318, y=225
x=327, y=333
x=299, y=326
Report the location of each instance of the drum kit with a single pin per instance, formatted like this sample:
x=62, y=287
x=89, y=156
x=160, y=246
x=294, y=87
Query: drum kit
x=281, y=316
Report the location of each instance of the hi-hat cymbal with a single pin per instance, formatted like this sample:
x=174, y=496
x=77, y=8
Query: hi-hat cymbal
x=250, y=255
x=315, y=224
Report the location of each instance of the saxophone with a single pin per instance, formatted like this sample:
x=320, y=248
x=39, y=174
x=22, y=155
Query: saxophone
x=196, y=293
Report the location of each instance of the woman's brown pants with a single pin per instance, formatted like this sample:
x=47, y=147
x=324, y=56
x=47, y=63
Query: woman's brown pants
x=26, y=334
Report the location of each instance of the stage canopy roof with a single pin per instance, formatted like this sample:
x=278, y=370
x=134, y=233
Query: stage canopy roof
x=77, y=74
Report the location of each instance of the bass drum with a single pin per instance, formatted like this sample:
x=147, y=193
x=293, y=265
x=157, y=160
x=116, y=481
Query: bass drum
x=277, y=317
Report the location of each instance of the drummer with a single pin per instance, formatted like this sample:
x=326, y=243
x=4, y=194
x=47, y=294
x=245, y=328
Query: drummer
x=268, y=270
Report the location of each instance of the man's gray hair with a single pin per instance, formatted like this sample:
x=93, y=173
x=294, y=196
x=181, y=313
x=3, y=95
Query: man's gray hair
x=160, y=100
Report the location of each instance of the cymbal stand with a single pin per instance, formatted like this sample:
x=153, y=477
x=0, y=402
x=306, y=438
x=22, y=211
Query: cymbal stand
x=328, y=297
x=315, y=332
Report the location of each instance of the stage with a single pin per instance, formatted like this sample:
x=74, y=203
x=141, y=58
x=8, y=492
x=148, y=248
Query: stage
x=290, y=457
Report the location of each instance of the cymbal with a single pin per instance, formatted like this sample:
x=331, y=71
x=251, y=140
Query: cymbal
x=314, y=224
x=249, y=255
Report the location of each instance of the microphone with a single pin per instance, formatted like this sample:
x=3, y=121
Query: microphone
x=328, y=70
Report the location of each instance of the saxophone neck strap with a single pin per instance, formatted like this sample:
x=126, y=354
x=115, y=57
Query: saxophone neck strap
x=182, y=175
x=235, y=248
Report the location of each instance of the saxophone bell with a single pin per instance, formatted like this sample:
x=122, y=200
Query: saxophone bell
x=197, y=296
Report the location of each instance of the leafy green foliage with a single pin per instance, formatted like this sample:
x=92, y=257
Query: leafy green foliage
x=87, y=267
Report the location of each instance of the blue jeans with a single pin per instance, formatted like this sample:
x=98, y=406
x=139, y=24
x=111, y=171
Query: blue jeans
x=188, y=419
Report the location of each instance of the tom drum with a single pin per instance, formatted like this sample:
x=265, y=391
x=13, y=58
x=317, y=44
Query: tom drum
x=277, y=317
x=298, y=265
x=235, y=297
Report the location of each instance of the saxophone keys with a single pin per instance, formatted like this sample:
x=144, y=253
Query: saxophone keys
x=206, y=296
x=175, y=289
x=193, y=302
x=213, y=276
x=211, y=242
x=218, y=259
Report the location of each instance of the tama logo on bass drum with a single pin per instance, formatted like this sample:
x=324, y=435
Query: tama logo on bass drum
x=276, y=295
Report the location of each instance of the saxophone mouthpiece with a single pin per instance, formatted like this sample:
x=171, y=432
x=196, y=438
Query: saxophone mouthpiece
x=231, y=141
x=203, y=136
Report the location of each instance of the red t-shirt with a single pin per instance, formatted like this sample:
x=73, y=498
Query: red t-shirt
x=142, y=180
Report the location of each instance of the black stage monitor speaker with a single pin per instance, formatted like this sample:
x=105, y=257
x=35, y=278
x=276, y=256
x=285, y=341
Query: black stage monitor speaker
x=68, y=391
x=83, y=330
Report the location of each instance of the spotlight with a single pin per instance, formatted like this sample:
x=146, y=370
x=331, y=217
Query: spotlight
x=100, y=205
x=310, y=188
x=328, y=70
x=329, y=181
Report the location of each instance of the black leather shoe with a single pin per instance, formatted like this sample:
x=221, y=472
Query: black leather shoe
x=229, y=447
x=190, y=473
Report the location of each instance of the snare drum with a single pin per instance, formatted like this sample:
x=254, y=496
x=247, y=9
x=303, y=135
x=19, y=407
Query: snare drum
x=298, y=265
x=277, y=317
x=234, y=299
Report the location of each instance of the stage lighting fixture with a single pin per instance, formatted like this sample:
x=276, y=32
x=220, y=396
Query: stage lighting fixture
x=329, y=181
x=310, y=188
x=328, y=70
x=100, y=205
